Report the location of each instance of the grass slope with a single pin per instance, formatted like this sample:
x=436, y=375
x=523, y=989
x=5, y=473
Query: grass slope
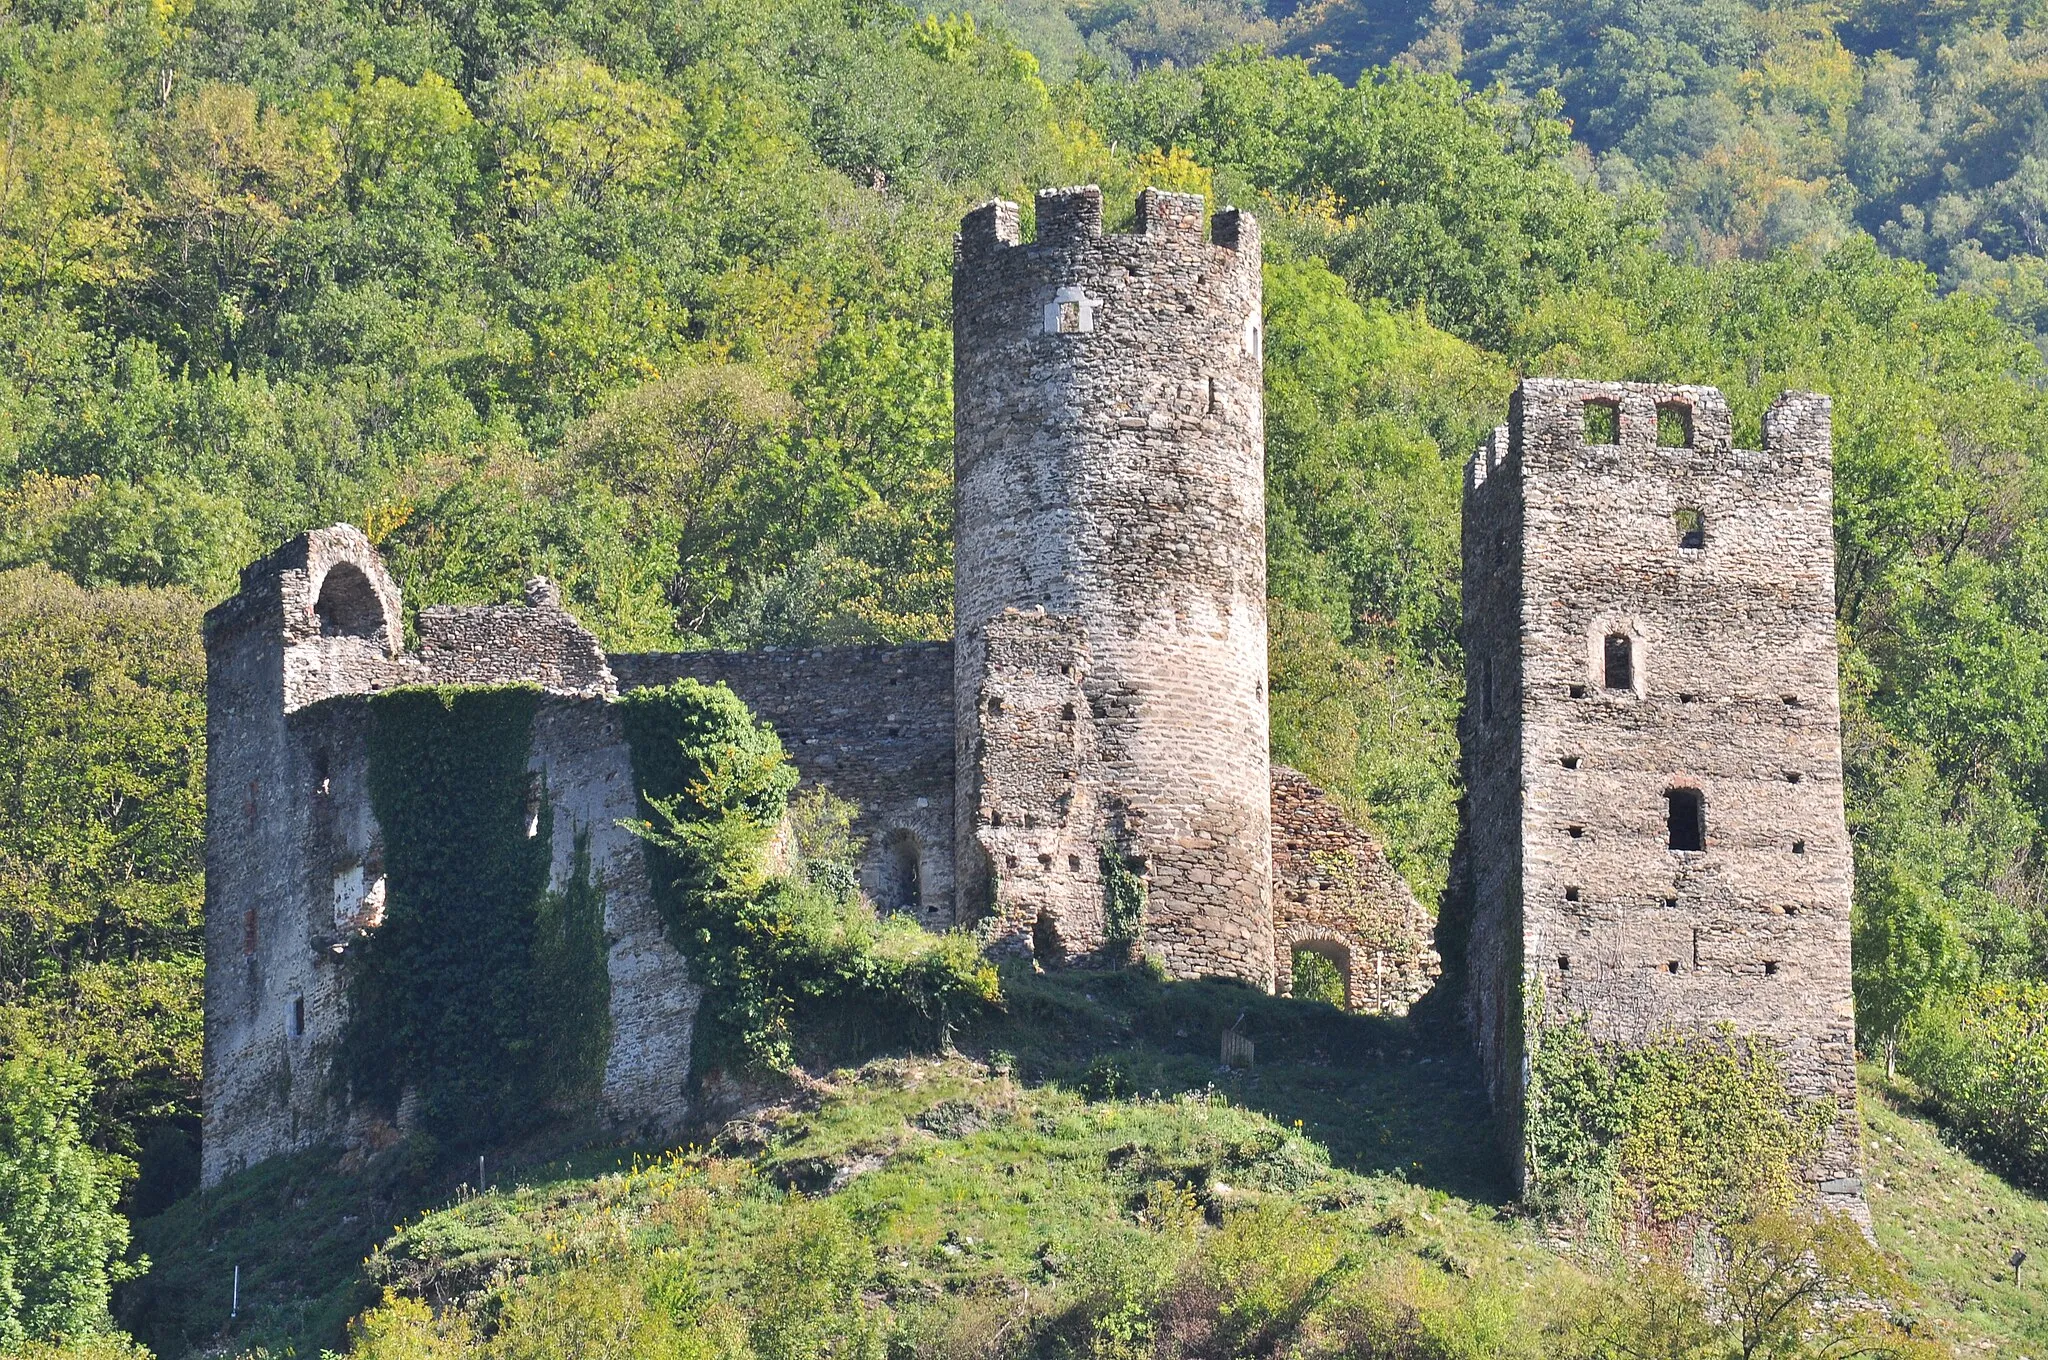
x=1091, y=1117
x=1956, y=1225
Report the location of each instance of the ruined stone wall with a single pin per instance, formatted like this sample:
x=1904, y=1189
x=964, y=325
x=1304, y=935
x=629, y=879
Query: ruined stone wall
x=1708, y=571
x=1490, y=738
x=874, y=725
x=1335, y=892
x=1109, y=467
x=295, y=857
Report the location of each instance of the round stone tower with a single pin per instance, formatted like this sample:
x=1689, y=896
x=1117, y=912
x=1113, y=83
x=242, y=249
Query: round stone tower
x=1110, y=585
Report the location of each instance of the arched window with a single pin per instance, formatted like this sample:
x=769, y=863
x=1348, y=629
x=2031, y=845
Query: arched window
x=348, y=605
x=1687, y=818
x=1322, y=972
x=1620, y=656
x=902, y=872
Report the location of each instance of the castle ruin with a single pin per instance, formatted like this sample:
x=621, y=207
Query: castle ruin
x=1100, y=717
x=1654, y=832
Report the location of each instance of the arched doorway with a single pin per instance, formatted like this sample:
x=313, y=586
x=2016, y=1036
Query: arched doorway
x=1322, y=972
x=902, y=872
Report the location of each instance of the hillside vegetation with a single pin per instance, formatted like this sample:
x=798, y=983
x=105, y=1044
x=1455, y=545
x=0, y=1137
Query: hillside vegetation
x=651, y=295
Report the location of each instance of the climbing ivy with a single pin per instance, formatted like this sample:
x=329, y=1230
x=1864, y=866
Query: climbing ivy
x=1123, y=899
x=776, y=953
x=1681, y=1128
x=482, y=991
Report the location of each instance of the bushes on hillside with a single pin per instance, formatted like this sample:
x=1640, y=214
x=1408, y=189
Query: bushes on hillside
x=1982, y=1058
x=714, y=789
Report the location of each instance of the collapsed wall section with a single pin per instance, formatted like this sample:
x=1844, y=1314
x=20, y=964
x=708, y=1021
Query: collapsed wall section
x=1109, y=471
x=1336, y=895
x=874, y=724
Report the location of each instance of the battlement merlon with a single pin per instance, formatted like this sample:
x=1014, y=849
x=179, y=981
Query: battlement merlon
x=1552, y=415
x=1071, y=219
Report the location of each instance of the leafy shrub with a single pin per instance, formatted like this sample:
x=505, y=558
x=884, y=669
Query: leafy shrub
x=714, y=789
x=1983, y=1060
x=1316, y=979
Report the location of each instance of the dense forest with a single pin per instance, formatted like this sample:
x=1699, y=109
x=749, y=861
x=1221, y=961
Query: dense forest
x=652, y=296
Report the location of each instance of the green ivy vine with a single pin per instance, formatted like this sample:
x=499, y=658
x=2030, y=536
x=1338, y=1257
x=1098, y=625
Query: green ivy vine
x=482, y=991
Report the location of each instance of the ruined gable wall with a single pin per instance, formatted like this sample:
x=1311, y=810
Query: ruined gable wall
x=873, y=724
x=1109, y=469
x=1734, y=694
x=1334, y=890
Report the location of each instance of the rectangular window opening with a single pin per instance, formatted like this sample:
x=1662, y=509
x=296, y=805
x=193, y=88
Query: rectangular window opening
x=1687, y=819
x=1692, y=528
x=1571, y=894
x=1564, y=963
x=1578, y=691
x=1674, y=425
x=1070, y=318
x=1603, y=422
x=1619, y=655
x=1770, y=967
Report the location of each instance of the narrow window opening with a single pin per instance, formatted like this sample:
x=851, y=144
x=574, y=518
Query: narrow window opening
x=1564, y=963
x=322, y=785
x=1692, y=528
x=995, y=817
x=1687, y=818
x=1009, y=861
x=902, y=871
x=1070, y=318
x=1571, y=894
x=1570, y=762
x=1213, y=406
x=1603, y=422
x=1066, y=712
x=298, y=1016
x=1030, y=820
x=1620, y=668
x=1674, y=425
x=1073, y=864
x=995, y=705
x=533, y=803
x=1799, y=847
x=1770, y=967
x=1578, y=691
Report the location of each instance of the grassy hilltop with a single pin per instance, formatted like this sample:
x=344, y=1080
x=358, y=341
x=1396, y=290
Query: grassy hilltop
x=1088, y=1181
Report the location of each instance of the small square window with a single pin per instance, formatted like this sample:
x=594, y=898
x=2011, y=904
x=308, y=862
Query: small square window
x=1674, y=425
x=1692, y=528
x=1073, y=864
x=1603, y=422
x=1571, y=894
x=1671, y=904
x=1564, y=963
x=1799, y=847
x=1672, y=966
x=1770, y=967
x=1578, y=691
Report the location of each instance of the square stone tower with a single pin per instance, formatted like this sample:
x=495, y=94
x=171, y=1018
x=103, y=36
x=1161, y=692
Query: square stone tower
x=1652, y=738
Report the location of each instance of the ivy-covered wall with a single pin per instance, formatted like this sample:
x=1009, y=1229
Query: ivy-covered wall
x=482, y=992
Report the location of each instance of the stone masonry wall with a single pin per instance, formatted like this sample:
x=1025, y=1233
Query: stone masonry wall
x=874, y=725
x=1109, y=467
x=1335, y=892
x=1709, y=570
